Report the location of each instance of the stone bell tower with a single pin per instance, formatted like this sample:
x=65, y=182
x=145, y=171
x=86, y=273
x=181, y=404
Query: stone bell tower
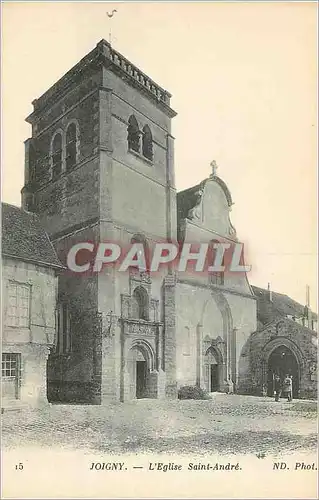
x=100, y=167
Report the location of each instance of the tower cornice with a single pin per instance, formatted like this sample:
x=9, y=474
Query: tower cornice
x=104, y=55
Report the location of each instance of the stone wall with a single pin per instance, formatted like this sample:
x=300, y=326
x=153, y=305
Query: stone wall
x=217, y=313
x=75, y=376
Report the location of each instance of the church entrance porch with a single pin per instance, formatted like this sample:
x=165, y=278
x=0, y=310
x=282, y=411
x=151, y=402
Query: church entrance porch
x=282, y=362
x=142, y=371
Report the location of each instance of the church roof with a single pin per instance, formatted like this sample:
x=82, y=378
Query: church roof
x=280, y=306
x=24, y=238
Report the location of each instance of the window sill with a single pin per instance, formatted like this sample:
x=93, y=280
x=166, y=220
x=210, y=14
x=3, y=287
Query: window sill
x=141, y=157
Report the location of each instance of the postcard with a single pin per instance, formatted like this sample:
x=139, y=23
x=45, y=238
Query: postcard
x=159, y=253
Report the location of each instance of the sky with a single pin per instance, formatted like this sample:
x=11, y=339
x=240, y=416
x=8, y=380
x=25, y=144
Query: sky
x=243, y=80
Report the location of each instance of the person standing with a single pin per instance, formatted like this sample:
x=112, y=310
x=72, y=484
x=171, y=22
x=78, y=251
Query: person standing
x=277, y=387
x=287, y=385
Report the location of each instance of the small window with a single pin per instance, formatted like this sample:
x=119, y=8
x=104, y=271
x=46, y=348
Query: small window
x=140, y=304
x=133, y=134
x=10, y=365
x=57, y=156
x=70, y=157
x=63, y=329
x=216, y=277
x=18, y=313
x=147, y=143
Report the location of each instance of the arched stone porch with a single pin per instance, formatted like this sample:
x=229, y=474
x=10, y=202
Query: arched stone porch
x=282, y=356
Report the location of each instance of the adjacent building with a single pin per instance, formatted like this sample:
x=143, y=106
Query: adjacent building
x=29, y=289
x=286, y=342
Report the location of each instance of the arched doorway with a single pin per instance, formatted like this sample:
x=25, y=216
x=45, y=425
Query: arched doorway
x=138, y=371
x=212, y=370
x=282, y=361
x=141, y=371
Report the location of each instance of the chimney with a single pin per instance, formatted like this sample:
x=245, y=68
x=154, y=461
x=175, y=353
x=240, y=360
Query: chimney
x=269, y=293
x=307, y=296
x=308, y=313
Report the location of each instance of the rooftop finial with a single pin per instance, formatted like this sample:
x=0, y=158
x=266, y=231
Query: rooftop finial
x=214, y=166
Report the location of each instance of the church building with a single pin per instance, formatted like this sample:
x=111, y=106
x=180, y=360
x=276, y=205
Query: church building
x=99, y=167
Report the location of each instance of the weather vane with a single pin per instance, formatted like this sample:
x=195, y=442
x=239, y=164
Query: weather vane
x=110, y=15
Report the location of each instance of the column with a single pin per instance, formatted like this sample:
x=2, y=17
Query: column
x=233, y=357
x=170, y=337
x=199, y=360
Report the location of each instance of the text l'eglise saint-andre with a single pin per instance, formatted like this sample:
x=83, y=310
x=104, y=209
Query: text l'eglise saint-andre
x=171, y=466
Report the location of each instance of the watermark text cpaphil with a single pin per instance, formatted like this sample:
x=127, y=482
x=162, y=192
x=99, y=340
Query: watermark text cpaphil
x=199, y=257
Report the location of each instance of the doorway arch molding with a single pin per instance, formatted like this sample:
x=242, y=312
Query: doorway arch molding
x=282, y=341
x=146, y=349
x=215, y=350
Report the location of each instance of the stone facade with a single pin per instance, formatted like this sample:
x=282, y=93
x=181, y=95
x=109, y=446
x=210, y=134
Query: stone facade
x=26, y=347
x=100, y=167
x=219, y=316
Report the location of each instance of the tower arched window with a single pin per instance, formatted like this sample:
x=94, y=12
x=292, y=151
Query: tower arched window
x=215, y=277
x=70, y=156
x=57, y=156
x=133, y=134
x=140, y=304
x=147, y=143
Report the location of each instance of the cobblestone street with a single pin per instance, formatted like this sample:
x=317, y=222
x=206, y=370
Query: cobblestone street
x=225, y=424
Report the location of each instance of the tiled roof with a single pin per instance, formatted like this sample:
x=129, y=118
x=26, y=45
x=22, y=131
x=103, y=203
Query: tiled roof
x=24, y=238
x=280, y=306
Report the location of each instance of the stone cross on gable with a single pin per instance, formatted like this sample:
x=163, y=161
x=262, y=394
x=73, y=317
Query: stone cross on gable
x=214, y=168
